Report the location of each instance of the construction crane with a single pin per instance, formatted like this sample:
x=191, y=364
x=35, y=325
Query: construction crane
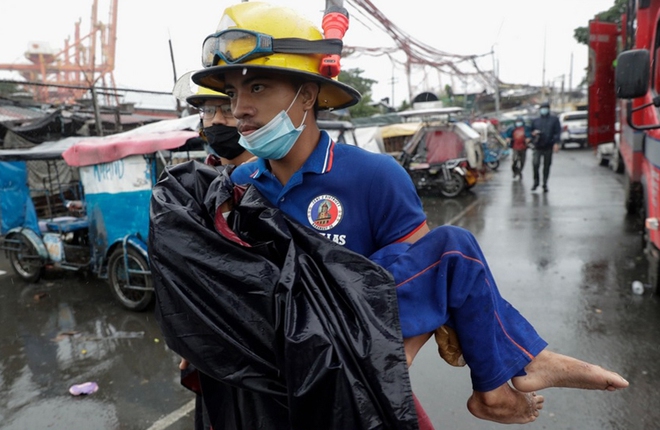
x=69, y=74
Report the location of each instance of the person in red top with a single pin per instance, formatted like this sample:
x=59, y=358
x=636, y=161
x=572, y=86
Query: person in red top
x=518, y=139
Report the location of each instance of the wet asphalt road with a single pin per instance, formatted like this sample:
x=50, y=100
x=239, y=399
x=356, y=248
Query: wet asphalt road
x=565, y=259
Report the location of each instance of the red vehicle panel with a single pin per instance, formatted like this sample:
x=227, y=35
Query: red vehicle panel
x=638, y=117
x=603, y=38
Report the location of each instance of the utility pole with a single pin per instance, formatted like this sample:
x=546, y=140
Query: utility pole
x=178, y=104
x=496, y=84
x=393, y=81
x=570, y=78
x=543, y=89
x=97, y=113
x=408, y=72
x=465, y=97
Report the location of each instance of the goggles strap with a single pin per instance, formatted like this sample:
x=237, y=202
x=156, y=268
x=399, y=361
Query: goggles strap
x=292, y=45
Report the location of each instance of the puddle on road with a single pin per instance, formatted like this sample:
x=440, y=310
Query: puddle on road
x=65, y=331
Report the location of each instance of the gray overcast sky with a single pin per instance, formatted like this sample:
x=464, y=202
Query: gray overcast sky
x=516, y=29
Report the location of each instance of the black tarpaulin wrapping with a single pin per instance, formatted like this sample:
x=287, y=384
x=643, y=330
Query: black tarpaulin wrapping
x=299, y=323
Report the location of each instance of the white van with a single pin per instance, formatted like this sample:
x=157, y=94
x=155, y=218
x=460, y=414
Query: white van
x=573, y=127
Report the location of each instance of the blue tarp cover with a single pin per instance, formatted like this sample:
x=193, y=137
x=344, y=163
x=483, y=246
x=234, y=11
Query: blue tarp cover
x=16, y=207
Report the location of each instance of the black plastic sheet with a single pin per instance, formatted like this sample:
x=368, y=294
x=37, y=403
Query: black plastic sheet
x=293, y=330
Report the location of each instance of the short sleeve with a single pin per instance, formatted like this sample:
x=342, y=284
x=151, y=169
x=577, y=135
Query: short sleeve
x=395, y=209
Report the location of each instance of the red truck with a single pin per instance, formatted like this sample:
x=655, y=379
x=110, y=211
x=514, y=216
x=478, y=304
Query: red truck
x=624, y=88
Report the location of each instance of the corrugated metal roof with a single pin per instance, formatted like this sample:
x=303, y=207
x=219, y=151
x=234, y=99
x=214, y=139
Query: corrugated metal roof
x=15, y=113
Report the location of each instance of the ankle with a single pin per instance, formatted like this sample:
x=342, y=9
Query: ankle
x=491, y=398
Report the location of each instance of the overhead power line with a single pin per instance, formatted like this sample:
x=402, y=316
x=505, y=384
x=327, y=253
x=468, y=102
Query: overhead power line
x=418, y=53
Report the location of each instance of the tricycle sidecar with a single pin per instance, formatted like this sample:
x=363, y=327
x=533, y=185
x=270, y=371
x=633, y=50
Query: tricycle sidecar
x=103, y=227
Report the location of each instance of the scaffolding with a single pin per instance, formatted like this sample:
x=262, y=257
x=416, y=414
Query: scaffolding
x=71, y=73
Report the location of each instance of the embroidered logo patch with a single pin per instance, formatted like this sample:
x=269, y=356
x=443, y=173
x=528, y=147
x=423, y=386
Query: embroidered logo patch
x=324, y=212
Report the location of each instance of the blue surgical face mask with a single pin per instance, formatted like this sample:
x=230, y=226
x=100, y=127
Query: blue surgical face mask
x=275, y=139
x=519, y=124
x=544, y=111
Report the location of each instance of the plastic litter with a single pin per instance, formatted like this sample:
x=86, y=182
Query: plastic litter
x=84, y=388
x=637, y=288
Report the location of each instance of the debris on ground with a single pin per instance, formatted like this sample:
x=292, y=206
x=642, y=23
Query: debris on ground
x=84, y=388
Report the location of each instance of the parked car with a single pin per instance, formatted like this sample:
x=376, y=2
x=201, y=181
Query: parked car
x=573, y=127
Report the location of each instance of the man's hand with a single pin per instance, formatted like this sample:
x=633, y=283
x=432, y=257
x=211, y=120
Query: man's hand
x=556, y=147
x=183, y=365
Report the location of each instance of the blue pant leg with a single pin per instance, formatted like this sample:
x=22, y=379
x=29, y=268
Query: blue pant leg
x=421, y=287
x=444, y=278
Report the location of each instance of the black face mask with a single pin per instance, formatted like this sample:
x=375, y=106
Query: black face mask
x=224, y=141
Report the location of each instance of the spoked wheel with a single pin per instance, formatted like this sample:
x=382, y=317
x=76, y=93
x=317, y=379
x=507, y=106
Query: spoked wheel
x=132, y=287
x=493, y=165
x=25, y=260
x=452, y=186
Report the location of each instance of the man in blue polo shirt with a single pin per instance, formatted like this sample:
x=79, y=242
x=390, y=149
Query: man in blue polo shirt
x=336, y=188
x=367, y=203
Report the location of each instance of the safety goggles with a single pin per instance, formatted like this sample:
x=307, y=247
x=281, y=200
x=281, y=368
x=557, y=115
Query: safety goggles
x=238, y=46
x=208, y=112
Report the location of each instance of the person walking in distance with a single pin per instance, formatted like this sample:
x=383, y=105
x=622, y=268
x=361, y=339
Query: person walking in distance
x=518, y=138
x=545, y=137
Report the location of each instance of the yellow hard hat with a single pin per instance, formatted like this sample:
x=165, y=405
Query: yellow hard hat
x=249, y=47
x=204, y=94
x=187, y=91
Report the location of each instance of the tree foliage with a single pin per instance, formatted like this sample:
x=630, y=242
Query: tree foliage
x=354, y=78
x=613, y=14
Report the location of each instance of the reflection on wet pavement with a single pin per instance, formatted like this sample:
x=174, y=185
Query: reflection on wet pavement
x=441, y=210
x=565, y=259
x=58, y=333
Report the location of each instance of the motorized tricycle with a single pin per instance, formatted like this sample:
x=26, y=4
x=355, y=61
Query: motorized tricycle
x=83, y=204
x=442, y=155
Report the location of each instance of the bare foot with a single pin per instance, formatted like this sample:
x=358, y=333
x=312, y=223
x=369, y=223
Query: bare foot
x=412, y=345
x=505, y=405
x=549, y=369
